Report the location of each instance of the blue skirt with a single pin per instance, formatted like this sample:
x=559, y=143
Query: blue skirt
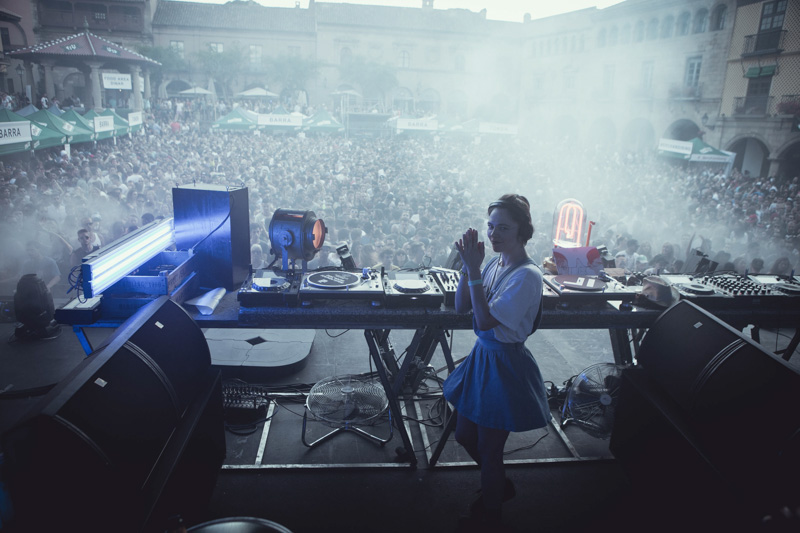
x=499, y=386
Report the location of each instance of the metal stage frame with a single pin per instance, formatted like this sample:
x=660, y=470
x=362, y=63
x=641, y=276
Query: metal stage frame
x=626, y=326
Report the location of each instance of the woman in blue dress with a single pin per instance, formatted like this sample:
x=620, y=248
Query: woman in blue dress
x=498, y=388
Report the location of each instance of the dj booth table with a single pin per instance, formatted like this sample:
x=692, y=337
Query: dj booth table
x=625, y=323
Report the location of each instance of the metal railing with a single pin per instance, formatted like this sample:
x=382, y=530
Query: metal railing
x=765, y=42
x=754, y=105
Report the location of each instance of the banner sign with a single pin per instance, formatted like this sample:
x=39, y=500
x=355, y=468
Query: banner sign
x=497, y=127
x=280, y=120
x=112, y=80
x=417, y=124
x=135, y=118
x=678, y=147
x=15, y=132
x=103, y=123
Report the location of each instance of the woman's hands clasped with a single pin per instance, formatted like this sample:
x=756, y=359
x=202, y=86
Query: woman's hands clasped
x=472, y=252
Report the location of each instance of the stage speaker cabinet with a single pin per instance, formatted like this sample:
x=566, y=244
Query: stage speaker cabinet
x=735, y=401
x=214, y=221
x=102, y=447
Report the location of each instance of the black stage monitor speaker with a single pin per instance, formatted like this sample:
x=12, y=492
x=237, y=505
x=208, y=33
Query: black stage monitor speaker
x=214, y=221
x=93, y=447
x=735, y=401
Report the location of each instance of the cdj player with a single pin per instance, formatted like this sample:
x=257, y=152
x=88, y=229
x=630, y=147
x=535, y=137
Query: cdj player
x=412, y=289
x=267, y=287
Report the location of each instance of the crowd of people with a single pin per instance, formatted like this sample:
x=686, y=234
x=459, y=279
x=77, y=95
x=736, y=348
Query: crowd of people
x=398, y=202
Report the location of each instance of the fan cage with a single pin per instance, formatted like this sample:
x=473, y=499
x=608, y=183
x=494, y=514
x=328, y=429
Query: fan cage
x=347, y=400
x=592, y=399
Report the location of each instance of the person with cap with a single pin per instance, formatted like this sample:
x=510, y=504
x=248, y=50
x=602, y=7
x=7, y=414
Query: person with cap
x=498, y=388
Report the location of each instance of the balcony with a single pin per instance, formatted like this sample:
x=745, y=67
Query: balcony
x=789, y=105
x=686, y=92
x=764, y=43
x=754, y=105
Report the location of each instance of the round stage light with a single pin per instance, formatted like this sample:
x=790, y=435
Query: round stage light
x=296, y=235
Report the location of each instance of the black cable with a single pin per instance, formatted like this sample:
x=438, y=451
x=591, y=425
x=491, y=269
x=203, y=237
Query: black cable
x=233, y=201
x=528, y=447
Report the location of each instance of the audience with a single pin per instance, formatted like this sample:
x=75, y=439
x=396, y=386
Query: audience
x=409, y=198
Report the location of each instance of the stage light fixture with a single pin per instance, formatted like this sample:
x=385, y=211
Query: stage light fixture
x=106, y=266
x=296, y=235
x=569, y=219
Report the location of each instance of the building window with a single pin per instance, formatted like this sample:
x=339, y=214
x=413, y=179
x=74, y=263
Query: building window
x=345, y=55
x=701, y=21
x=294, y=51
x=666, y=27
x=772, y=15
x=177, y=47
x=683, y=24
x=255, y=54
x=652, y=30
x=638, y=32
x=404, y=59
x=692, y=78
x=5, y=38
x=216, y=47
x=601, y=38
x=718, y=18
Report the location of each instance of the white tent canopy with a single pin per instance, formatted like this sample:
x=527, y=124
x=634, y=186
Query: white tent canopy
x=196, y=91
x=257, y=92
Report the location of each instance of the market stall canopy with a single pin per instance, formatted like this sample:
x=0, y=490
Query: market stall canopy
x=196, y=91
x=280, y=122
x=28, y=110
x=76, y=119
x=322, y=120
x=133, y=122
x=21, y=134
x=256, y=92
x=75, y=134
x=120, y=124
x=238, y=119
x=694, y=150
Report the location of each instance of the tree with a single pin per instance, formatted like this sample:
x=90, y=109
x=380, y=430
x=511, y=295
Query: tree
x=375, y=79
x=292, y=73
x=224, y=66
x=170, y=59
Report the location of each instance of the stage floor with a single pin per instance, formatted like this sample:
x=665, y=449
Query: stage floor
x=566, y=480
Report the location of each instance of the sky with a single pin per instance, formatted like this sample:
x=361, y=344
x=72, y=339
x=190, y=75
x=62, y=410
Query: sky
x=511, y=10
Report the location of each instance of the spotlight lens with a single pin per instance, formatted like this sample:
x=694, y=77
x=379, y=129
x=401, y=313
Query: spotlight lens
x=319, y=234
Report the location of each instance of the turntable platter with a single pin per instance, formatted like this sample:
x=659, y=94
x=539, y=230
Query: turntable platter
x=333, y=280
x=696, y=288
x=412, y=286
x=581, y=283
x=268, y=282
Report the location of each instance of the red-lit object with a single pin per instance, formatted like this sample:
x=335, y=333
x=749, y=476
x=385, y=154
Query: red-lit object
x=569, y=219
x=296, y=235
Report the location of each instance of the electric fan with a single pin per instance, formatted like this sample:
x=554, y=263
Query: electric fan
x=592, y=399
x=345, y=402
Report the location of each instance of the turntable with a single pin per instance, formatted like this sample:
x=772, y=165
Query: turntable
x=342, y=285
x=267, y=287
x=412, y=289
x=582, y=289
